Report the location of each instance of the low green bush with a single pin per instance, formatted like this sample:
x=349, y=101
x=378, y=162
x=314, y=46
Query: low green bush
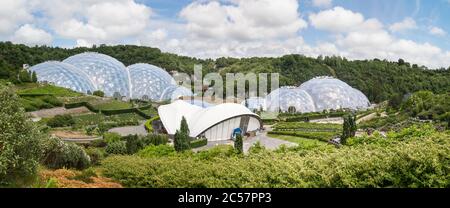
x=198, y=143
x=59, y=154
x=148, y=124
x=322, y=136
x=52, y=100
x=157, y=151
x=111, y=137
x=419, y=161
x=95, y=154
x=85, y=176
x=98, y=93
x=61, y=121
x=117, y=148
x=155, y=139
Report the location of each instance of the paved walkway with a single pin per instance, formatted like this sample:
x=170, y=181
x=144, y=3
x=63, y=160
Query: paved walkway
x=261, y=137
x=268, y=142
x=48, y=113
x=130, y=130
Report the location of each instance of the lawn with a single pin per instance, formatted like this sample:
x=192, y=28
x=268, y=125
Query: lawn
x=302, y=142
x=47, y=89
x=82, y=121
x=113, y=105
x=315, y=131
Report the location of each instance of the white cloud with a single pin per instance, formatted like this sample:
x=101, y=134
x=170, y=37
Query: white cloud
x=243, y=19
x=337, y=19
x=437, y=31
x=31, y=36
x=96, y=21
x=407, y=24
x=358, y=38
x=13, y=13
x=322, y=3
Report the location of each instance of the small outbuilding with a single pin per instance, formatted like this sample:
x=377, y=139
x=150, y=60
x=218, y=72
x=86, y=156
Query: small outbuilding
x=216, y=123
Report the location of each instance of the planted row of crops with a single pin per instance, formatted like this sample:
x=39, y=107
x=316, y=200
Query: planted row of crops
x=322, y=132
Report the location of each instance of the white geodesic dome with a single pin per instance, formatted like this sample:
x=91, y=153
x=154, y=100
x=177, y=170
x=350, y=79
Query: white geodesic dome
x=106, y=73
x=148, y=81
x=315, y=95
x=64, y=75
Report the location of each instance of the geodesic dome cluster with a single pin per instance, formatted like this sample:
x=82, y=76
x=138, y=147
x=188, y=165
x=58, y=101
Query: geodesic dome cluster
x=88, y=72
x=316, y=95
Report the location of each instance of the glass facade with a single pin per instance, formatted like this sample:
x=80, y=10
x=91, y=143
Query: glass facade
x=148, y=81
x=106, y=73
x=316, y=95
x=87, y=72
x=63, y=75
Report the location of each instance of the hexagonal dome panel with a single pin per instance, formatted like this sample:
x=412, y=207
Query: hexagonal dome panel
x=63, y=75
x=106, y=73
x=148, y=81
x=284, y=98
x=331, y=93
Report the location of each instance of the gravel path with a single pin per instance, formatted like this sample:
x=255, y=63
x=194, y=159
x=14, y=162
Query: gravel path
x=48, y=113
x=261, y=137
x=268, y=142
x=130, y=130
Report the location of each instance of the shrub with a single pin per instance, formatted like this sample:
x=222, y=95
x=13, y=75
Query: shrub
x=59, y=154
x=111, y=137
x=238, y=144
x=349, y=128
x=52, y=100
x=181, y=137
x=98, y=93
x=198, y=143
x=157, y=151
x=155, y=139
x=61, y=121
x=256, y=148
x=414, y=162
x=117, y=148
x=85, y=176
x=95, y=154
x=19, y=142
x=133, y=144
x=98, y=143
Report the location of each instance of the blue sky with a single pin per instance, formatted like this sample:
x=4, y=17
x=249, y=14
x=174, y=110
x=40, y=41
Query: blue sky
x=416, y=30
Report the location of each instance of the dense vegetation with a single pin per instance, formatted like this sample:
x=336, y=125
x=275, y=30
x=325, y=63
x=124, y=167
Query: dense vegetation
x=19, y=142
x=413, y=157
x=378, y=79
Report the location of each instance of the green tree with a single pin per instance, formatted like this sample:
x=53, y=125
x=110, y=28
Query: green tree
x=181, y=138
x=19, y=142
x=238, y=144
x=98, y=93
x=34, y=77
x=349, y=128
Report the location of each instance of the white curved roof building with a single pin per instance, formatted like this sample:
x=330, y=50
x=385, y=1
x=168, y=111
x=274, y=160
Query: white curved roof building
x=215, y=123
x=316, y=95
x=87, y=72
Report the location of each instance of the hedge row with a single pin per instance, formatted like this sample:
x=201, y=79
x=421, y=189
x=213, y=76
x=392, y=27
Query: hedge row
x=314, y=116
x=110, y=112
x=33, y=94
x=148, y=124
x=419, y=161
x=199, y=143
x=322, y=136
